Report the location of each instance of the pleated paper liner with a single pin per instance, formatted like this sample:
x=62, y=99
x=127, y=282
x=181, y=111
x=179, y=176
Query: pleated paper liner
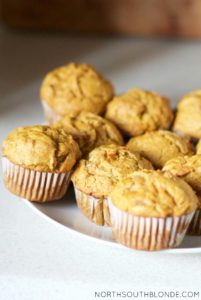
x=195, y=225
x=96, y=210
x=34, y=185
x=50, y=115
x=148, y=233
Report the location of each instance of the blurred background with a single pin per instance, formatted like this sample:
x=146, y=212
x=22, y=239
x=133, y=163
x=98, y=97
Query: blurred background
x=151, y=44
x=141, y=17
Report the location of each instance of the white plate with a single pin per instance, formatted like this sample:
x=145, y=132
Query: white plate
x=65, y=213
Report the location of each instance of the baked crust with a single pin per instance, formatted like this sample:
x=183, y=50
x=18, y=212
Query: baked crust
x=73, y=88
x=90, y=131
x=154, y=194
x=41, y=148
x=187, y=168
x=188, y=116
x=160, y=146
x=139, y=111
x=105, y=165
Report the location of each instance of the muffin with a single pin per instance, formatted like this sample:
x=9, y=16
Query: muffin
x=74, y=88
x=160, y=146
x=189, y=169
x=151, y=210
x=95, y=177
x=139, y=111
x=38, y=162
x=90, y=131
x=188, y=116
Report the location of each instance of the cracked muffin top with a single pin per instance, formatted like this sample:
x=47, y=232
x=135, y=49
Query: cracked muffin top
x=104, y=166
x=73, y=88
x=160, y=146
x=139, y=111
x=41, y=148
x=187, y=168
x=90, y=131
x=154, y=194
x=188, y=116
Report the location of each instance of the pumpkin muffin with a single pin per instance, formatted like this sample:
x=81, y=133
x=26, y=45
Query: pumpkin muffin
x=139, y=111
x=74, y=88
x=38, y=162
x=90, y=131
x=160, y=146
x=189, y=169
x=188, y=116
x=95, y=177
x=151, y=210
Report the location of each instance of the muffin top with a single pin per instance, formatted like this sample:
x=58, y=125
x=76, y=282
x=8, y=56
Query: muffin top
x=160, y=146
x=41, y=148
x=154, y=194
x=187, y=168
x=138, y=111
x=90, y=131
x=73, y=88
x=104, y=166
x=188, y=115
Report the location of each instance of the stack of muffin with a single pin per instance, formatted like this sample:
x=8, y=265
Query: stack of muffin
x=148, y=191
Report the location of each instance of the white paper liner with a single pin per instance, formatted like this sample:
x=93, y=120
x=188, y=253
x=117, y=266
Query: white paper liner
x=148, y=233
x=96, y=210
x=34, y=185
x=50, y=115
x=195, y=225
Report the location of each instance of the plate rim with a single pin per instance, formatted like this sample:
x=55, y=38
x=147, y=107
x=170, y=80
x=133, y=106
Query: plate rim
x=40, y=213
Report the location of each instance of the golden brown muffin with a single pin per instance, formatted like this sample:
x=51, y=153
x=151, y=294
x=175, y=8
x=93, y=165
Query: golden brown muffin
x=41, y=148
x=90, y=131
x=154, y=194
x=139, y=111
x=187, y=168
x=160, y=146
x=74, y=88
x=38, y=162
x=105, y=166
x=151, y=210
x=188, y=115
x=94, y=178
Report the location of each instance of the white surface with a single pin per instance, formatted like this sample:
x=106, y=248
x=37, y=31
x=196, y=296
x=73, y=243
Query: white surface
x=66, y=213
x=38, y=260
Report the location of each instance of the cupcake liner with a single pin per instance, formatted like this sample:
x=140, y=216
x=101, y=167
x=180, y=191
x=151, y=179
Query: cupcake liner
x=195, y=225
x=50, y=115
x=147, y=233
x=34, y=185
x=96, y=210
